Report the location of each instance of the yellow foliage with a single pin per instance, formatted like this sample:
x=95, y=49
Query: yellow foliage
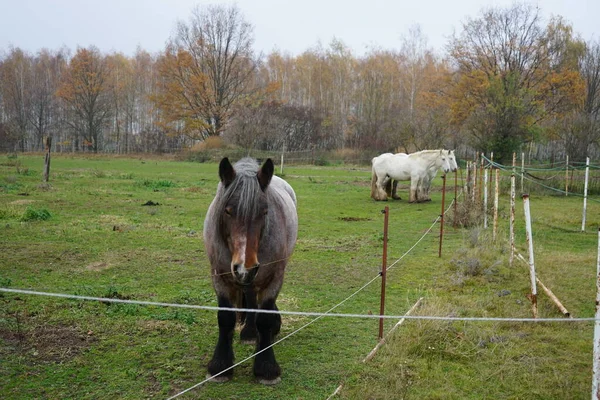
x=210, y=143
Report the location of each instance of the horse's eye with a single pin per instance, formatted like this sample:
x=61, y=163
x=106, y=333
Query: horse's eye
x=228, y=211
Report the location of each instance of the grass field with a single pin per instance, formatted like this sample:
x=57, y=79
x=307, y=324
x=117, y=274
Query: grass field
x=89, y=233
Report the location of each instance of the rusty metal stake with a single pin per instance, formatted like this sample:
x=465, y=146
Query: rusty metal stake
x=442, y=214
x=455, y=197
x=531, y=259
x=386, y=212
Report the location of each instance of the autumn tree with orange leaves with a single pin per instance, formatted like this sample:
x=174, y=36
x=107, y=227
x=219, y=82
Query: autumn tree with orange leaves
x=85, y=91
x=512, y=76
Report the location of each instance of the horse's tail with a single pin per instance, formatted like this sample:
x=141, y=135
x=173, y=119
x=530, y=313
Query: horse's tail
x=373, y=183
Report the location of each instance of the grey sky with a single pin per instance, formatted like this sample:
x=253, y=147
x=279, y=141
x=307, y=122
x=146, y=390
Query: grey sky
x=289, y=26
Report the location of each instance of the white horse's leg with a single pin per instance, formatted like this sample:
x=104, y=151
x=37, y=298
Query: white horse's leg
x=394, y=191
x=382, y=182
x=414, y=181
x=424, y=189
x=377, y=192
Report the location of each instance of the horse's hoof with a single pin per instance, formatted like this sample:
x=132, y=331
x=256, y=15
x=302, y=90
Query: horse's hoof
x=396, y=197
x=218, y=379
x=269, y=382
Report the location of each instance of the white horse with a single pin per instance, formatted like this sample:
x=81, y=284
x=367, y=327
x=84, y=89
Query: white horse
x=423, y=189
x=414, y=167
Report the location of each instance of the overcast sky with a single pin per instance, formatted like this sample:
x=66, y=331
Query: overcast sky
x=288, y=26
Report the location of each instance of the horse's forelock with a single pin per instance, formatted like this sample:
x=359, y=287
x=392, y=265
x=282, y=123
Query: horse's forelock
x=245, y=187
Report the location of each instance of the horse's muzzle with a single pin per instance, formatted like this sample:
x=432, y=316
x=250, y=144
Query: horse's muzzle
x=245, y=276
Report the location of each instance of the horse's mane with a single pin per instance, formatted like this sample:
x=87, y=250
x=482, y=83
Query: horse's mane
x=245, y=186
x=425, y=152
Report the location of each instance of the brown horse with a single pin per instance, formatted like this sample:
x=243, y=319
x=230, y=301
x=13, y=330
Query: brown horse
x=250, y=231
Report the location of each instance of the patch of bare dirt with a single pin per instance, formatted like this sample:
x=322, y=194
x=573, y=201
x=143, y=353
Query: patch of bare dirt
x=48, y=343
x=22, y=202
x=98, y=266
x=353, y=219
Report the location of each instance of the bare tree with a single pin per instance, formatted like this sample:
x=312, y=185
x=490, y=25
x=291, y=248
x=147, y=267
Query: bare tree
x=219, y=42
x=15, y=75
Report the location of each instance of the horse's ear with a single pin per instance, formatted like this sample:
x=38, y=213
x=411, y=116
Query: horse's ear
x=226, y=172
x=265, y=174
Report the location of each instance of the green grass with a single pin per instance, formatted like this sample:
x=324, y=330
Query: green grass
x=99, y=240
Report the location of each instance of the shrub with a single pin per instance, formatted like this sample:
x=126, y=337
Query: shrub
x=210, y=143
x=33, y=214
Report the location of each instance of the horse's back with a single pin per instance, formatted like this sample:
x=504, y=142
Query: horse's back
x=284, y=210
x=281, y=186
x=395, y=166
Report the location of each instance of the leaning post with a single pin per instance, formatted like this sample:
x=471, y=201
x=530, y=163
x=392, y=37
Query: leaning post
x=386, y=213
x=531, y=259
x=442, y=214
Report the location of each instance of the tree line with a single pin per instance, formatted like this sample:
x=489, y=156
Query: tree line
x=506, y=80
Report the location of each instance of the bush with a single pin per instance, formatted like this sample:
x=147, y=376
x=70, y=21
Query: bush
x=33, y=214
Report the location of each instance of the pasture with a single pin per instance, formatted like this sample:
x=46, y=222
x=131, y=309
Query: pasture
x=93, y=232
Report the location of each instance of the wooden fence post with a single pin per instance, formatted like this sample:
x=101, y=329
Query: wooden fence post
x=567, y=177
x=47, y=158
x=386, y=212
x=512, y=213
x=585, y=192
x=496, y=194
x=596, y=362
x=442, y=214
x=485, y=198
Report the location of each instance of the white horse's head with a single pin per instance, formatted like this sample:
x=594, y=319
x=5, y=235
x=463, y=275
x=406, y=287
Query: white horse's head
x=452, y=160
x=444, y=161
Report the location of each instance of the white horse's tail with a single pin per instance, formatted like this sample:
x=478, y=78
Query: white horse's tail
x=373, y=184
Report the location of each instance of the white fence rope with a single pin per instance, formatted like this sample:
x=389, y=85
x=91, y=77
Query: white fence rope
x=300, y=313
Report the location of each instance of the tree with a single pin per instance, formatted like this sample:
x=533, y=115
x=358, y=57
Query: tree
x=84, y=89
x=15, y=74
x=510, y=77
x=44, y=117
x=581, y=128
x=206, y=69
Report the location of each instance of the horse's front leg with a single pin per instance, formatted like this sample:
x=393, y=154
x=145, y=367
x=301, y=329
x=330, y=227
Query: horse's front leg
x=414, y=186
x=223, y=355
x=266, y=369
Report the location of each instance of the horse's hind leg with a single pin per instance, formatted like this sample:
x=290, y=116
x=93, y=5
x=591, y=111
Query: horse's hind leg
x=248, y=334
x=395, y=190
x=223, y=355
x=266, y=369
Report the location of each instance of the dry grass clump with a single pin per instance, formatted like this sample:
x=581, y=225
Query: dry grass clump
x=210, y=143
